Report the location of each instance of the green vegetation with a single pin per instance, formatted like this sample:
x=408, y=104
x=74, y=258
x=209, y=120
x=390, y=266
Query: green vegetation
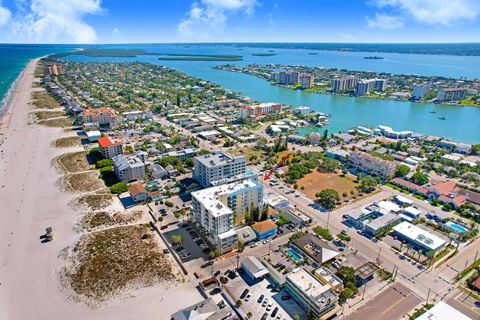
x=176, y=239
x=344, y=237
x=367, y=183
x=421, y=311
x=282, y=220
x=328, y=165
x=328, y=198
x=420, y=178
x=264, y=54
x=323, y=232
x=347, y=274
x=104, y=163
x=118, y=188
x=402, y=170
x=296, y=236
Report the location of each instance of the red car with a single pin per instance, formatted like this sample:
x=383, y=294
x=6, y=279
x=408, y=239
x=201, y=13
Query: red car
x=164, y=227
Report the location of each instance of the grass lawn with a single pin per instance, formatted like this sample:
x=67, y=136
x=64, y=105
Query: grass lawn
x=317, y=181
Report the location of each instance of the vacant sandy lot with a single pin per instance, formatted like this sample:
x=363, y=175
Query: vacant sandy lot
x=317, y=181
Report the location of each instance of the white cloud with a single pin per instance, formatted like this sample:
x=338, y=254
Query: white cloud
x=5, y=15
x=384, y=21
x=52, y=21
x=210, y=16
x=443, y=12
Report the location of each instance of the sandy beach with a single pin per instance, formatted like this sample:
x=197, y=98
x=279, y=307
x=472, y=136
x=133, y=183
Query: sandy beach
x=30, y=201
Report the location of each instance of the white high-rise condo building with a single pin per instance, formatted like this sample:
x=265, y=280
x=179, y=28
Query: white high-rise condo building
x=218, y=166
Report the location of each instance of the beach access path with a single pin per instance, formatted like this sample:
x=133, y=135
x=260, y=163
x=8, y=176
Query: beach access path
x=30, y=201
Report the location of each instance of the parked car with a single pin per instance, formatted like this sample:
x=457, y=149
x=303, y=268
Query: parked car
x=215, y=291
x=274, y=312
x=206, y=264
x=260, y=299
x=264, y=316
x=216, y=273
x=196, y=275
x=244, y=293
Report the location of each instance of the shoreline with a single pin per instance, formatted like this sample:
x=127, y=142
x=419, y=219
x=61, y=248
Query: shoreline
x=347, y=95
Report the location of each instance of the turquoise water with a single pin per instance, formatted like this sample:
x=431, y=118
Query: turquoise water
x=295, y=256
x=462, y=124
x=13, y=59
x=456, y=227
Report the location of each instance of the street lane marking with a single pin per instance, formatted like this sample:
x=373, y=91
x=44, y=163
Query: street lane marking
x=396, y=303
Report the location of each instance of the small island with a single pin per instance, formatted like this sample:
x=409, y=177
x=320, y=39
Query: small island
x=373, y=57
x=267, y=54
x=199, y=57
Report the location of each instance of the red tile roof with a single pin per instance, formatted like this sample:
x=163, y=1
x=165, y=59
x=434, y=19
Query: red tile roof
x=135, y=189
x=410, y=185
x=444, y=188
x=104, y=142
x=264, y=226
x=476, y=283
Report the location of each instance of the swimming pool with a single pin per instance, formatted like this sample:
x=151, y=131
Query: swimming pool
x=295, y=256
x=456, y=227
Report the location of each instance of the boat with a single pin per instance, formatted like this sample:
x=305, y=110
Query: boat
x=373, y=57
x=442, y=118
x=432, y=111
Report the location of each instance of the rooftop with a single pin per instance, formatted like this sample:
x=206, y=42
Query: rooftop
x=311, y=286
x=210, y=197
x=217, y=159
x=264, y=226
x=443, y=311
x=418, y=235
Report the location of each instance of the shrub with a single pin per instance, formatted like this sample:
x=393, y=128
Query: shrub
x=119, y=187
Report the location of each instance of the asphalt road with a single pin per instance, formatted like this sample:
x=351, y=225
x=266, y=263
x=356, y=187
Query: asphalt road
x=391, y=304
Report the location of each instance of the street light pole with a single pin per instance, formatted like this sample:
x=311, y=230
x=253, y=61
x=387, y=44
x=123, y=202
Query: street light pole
x=328, y=219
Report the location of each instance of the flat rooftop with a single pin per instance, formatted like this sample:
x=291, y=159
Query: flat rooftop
x=442, y=311
x=307, y=283
x=419, y=236
x=210, y=197
x=216, y=159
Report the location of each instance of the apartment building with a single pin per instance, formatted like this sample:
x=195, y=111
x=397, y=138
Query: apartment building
x=100, y=116
x=213, y=168
x=451, y=94
x=379, y=85
x=364, y=87
x=307, y=80
x=344, y=84
x=128, y=169
x=259, y=110
x=316, y=298
x=369, y=164
x=420, y=91
x=108, y=148
x=216, y=209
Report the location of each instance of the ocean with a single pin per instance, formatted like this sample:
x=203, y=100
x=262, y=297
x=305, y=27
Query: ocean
x=13, y=59
x=462, y=123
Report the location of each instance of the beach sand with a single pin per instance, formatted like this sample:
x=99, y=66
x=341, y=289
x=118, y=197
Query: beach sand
x=30, y=201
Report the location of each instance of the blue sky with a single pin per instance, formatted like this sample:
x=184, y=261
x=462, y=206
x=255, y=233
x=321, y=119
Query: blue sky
x=127, y=21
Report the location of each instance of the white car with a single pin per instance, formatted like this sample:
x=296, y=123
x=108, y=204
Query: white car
x=269, y=306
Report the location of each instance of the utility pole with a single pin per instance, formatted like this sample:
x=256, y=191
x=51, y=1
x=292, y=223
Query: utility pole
x=269, y=246
x=328, y=219
x=364, y=289
x=428, y=295
x=238, y=259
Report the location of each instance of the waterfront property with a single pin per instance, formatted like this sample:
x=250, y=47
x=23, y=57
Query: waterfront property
x=206, y=309
x=313, y=296
x=108, y=148
x=138, y=193
x=128, y=169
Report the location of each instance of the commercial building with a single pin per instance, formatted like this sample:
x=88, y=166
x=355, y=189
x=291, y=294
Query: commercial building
x=212, y=308
x=344, y=84
x=372, y=165
x=420, y=91
x=451, y=94
x=307, y=80
x=418, y=238
x=318, y=250
x=108, y=148
x=265, y=229
x=254, y=268
x=316, y=298
x=128, y=169
x=259, y=110
x=218, y=166
x=215, y=209
x=443, y=311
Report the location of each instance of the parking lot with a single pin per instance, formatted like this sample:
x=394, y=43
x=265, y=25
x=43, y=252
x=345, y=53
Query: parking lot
x=192, y=247
x=262, y=298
